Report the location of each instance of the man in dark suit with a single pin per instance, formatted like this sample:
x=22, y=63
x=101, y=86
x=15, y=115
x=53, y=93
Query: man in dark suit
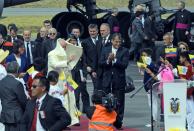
x=13, y=34
x=114, y=60
x=160, y=50
x=79, y=74
x=89, y=48
x=13, y=99
x=149, y=29
x=30, y=47
x=137, y=35
x=49, y=44
x=44, y=112
x=104, y=41
x=77, y=33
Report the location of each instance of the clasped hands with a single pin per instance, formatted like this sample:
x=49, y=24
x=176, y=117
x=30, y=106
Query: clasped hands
x=111, y=57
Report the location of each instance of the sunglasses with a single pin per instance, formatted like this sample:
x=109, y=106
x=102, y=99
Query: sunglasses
x=52, y=33
x=183, y=48
x=35, y=86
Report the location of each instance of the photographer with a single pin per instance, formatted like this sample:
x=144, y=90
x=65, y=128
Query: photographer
x=102, y=115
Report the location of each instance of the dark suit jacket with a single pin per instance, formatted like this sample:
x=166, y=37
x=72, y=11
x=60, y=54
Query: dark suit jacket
x=138, y=34
x=13, y=100
x=47, y=46
x=24, y=62
x=18, y=37
x=99, y=48
x=90, y=52
x=114, y=73
x=34, y=50
x=149, y=29
x=56, y=117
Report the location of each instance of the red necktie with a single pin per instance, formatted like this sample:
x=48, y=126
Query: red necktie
x=34, y=121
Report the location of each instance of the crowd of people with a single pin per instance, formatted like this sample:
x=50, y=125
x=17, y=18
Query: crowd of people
x=41, y=100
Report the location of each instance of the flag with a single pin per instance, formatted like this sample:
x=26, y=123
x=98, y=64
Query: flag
x=182, y=70
x=146, y=60
x=191, y=58
x=31, y=70
x=62, y=76
x=71, y=84
x=171, y=52
x=141, y=65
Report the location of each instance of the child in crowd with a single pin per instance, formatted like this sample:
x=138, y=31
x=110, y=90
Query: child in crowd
x=55, y=90
x=185, y=61
x=150, y=78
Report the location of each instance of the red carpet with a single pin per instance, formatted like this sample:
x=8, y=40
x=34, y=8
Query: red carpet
x=84, y=126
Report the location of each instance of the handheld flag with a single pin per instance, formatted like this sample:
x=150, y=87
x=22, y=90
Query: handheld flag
x=182, y=70
x=71, y=84
x=141, y=65
x=30, y=70
x=191, y=58
x=171, y=52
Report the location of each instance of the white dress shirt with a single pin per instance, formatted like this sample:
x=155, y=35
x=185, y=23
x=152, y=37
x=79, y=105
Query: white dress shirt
x=79, y=42
x=114, y=51
x=106, y=39
x=19, y=61
x=38, y=124
x=94, y=40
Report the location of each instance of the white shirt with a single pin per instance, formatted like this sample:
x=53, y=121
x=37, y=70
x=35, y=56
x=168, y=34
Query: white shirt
x=114, y=51
x=57, y=92
x=18, y=59
x=79, y=42
x=94, y=40
x=38, y=124
x=106, y=39
x=3, y=72
x=30, y=49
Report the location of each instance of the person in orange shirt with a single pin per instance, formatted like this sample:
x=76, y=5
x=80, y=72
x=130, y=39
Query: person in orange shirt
x=100, y=117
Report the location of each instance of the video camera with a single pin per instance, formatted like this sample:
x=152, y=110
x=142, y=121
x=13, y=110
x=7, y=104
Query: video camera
x=110, y=102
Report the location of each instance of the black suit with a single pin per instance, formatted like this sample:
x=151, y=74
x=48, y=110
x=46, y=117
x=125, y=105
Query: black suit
x=18, y=37
x=34, y=51
x=99, y=47
x=114, y=77
x=13, y=100
x=82, y=89
x=149, y=30
x=47, y=46
x=90, y=52
x=56, y=117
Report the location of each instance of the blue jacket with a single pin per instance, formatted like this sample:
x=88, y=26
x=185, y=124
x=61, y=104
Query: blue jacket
x=24, y=63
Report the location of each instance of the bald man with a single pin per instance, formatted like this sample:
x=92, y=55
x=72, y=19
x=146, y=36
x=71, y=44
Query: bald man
x=30, y=47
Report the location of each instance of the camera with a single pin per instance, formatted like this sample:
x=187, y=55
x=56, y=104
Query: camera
x=110, y=102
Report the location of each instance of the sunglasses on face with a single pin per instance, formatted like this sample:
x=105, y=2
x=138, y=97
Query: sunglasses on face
x=35, y=86
x=183, y=48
